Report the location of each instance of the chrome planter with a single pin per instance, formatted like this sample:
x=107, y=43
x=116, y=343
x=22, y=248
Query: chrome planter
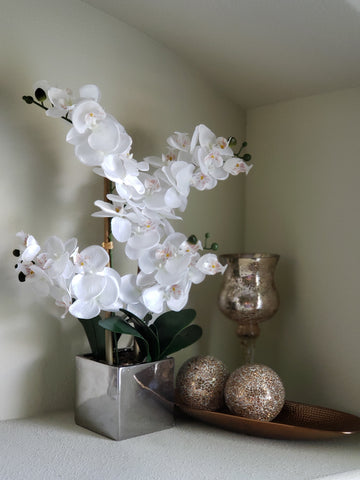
x=124, y=402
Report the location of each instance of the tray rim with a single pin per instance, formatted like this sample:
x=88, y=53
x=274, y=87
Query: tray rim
x=274, y=429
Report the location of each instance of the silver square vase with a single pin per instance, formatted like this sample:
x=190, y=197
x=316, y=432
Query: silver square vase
x=124, y=402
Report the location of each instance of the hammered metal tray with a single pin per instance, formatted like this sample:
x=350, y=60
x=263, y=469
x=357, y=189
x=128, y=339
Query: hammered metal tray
x=296, y=421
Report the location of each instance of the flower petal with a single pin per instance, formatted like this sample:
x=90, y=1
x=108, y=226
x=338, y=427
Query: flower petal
x=110, y=293
x=84, y=309
x=145, y=240
x=92, y=259
x=87, y=287
x=121, y=229
x=88, y=156
x=153, y=298
x=91, y=92
x=105, y=136
x=210, y=265
x=129, y=292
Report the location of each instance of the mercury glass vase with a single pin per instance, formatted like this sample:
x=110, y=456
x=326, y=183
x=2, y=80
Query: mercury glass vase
x=248, y=295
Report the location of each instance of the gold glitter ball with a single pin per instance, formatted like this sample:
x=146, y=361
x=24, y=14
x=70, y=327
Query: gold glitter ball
x=200, y=383
x=255, y=391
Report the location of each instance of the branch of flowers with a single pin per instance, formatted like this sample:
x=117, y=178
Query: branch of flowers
x=29, y=100
x=140, y=199
x=107, y=244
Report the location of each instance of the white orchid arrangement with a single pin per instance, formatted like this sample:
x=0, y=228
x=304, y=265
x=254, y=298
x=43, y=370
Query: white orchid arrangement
x=142, y=197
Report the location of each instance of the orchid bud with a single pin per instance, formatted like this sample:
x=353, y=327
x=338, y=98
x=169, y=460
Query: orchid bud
x=247, y=157
x=232, y=141
x=192, y=240
x=16, y=252
x=214, y=246
x=28, y=99
x=22, y=277
x=40, y=95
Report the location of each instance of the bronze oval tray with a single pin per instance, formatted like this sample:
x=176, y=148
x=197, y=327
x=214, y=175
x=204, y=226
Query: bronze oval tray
x=296, y=421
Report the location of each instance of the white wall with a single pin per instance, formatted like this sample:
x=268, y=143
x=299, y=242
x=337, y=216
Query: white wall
x=46, y=191
x=302, y=201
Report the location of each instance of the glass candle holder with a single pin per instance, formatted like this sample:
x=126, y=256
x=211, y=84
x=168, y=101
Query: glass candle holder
x=249, y=295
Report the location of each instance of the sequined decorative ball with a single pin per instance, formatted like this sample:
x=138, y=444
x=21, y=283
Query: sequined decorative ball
x=200, y=383
x=255, y=391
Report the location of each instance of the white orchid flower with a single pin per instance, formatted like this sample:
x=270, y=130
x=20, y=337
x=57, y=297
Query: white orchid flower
x=194, y=274
x=119, y=167
x=236, y=165
x=169, y=261
x=96, y=134
x=210, y=153
x=130, y=187
x=121, y=227
x=210, y=265
x=95, y=292
x=153, y=202
x=170, y=156
x=145, y=234
x=208, y=140
x=29, y=247
x=130, y=295
x=87, y=115
x=62, y=102
x=92, y=259
x=90, y=92
x=55, y=257
x=179, y=141
x=62, y=298
x=211, y=164
x=200, y=181
x=179, y=175
x=37, y=279
x=49, y=269
x=175, y=297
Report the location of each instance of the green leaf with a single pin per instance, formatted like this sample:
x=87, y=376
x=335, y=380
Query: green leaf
x=120, y=325
x=95, y=335
x=155, y=330
x=169, y=324
x=183, y=339
x=147, y=334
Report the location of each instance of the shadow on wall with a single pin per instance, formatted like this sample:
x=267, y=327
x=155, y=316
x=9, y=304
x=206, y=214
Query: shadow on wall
x=36, y=347
x=304, y=378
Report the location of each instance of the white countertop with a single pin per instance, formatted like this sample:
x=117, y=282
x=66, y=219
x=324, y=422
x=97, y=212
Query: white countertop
x=52, y=447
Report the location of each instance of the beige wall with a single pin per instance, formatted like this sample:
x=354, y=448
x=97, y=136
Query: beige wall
x=46, y=191
x=302, y=202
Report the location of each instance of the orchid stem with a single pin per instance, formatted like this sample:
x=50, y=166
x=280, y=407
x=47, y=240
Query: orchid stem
x=109, y=344
x=29, y=100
